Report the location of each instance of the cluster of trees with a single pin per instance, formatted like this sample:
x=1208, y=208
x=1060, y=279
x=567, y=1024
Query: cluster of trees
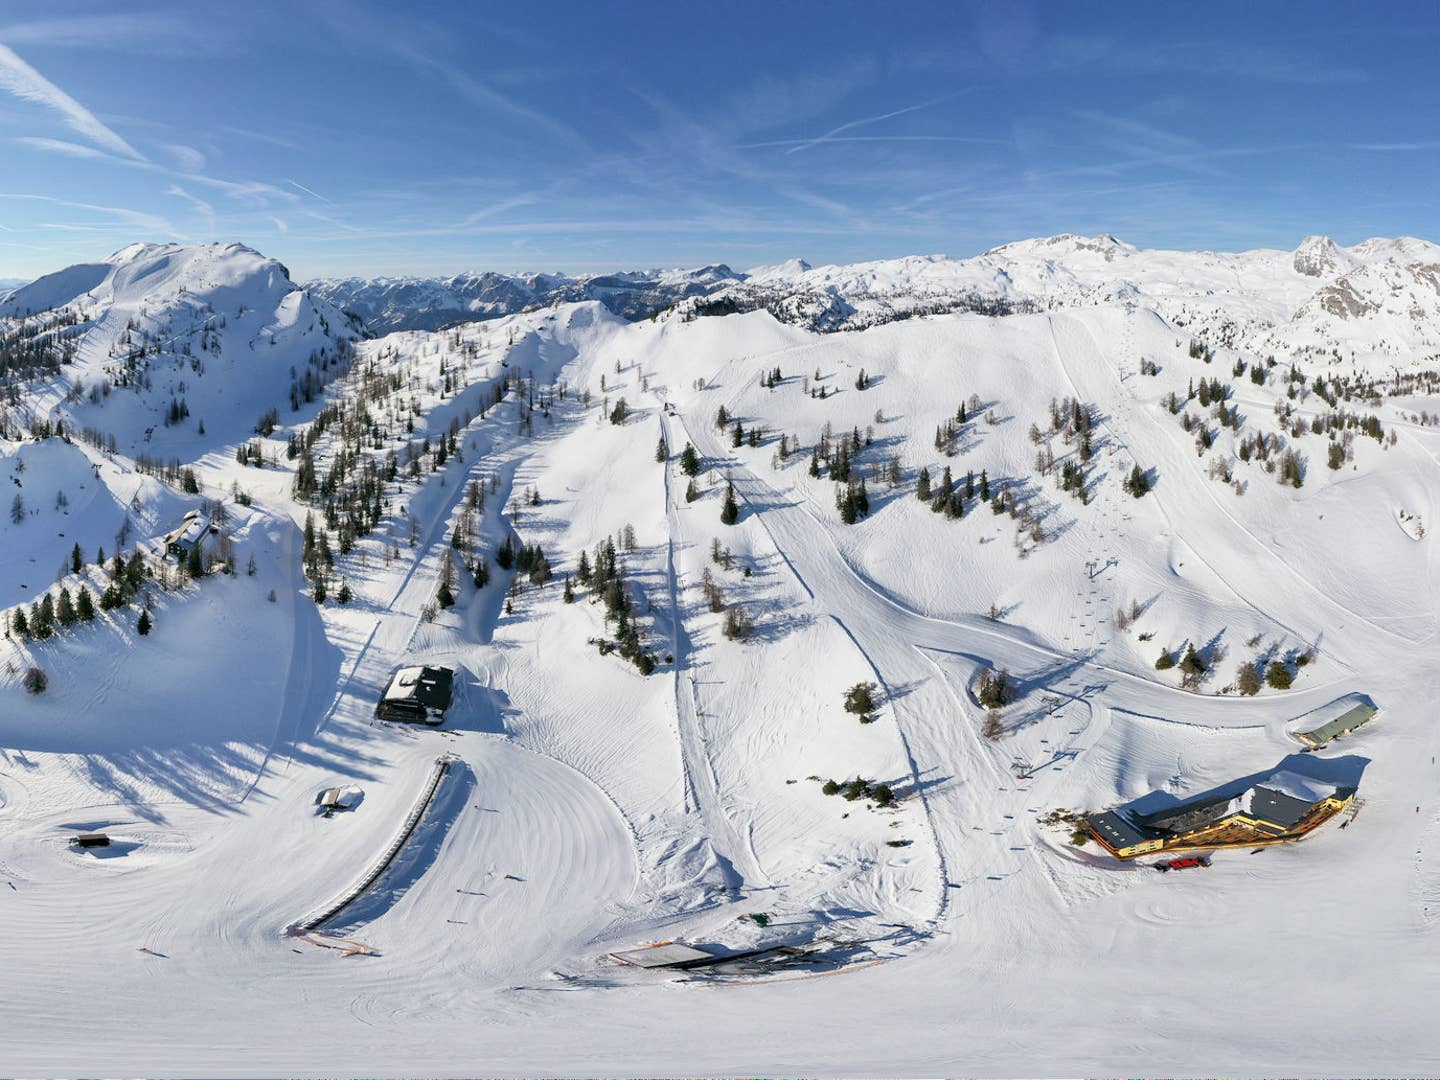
x=1193, y=667
x=70, y=606
x=604, y=576
x=994, y=689
x=171, y=471
x=862, y=700
x=737, y=624
x=948, y=432
x=949, y=498
x=36, y=346
x=1137, y=483
x=772, y=378
x=1277, y=676
x=526, y=559
x=177, y=412
x=860, y=788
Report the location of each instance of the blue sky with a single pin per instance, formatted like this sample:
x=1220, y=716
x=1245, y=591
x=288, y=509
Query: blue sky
x=351, y=136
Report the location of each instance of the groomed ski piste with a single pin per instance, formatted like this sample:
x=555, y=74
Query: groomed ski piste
x=592, y=809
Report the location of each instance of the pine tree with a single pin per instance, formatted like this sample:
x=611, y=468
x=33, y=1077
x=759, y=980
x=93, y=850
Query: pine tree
x=319, y=590
x=569, y=594
x=692, y=491
x=84, y=605
x=194, y=563
x=922, y=486
x=20, y=623
x=342, y=595
x=65, y=609
x=1278, y=676
x=77, y=559
x=737, y=437
x=722, y=418
x=143, y=626
x=660, y=453
x=17, y=509
x=689, y=461
x=730, y=512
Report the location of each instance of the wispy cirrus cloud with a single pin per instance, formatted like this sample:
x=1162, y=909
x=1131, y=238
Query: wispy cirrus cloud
x=1396, y=147
x=132, y=218
x=252, y=190
x=833, y=133
x=194, y=200
x=22, y=80
x=313, y=194
x=186, y=156
x=138, y=31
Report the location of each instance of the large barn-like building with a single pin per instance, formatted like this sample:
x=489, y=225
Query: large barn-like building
x=1283, y=806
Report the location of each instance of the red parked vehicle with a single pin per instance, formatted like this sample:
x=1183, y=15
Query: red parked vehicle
x=1187, y=863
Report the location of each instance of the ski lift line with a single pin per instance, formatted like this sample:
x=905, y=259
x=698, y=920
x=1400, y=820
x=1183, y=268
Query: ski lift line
x=318, y=919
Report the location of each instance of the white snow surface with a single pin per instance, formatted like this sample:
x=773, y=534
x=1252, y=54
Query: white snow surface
x=593, y=810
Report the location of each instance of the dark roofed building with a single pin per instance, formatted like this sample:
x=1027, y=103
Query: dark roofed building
x=417, y=694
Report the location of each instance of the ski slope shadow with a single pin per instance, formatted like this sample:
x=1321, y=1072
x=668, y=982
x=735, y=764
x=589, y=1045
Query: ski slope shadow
x=414, y=859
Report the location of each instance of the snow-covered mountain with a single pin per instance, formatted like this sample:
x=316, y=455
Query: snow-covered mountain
x=812, y=650
x=168, y=348
x=411, y=303
x=1378, y=289
x=1375, y=296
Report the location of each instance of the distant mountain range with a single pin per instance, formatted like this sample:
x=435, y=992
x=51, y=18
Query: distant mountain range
x=412, y=303
x=1379, y=295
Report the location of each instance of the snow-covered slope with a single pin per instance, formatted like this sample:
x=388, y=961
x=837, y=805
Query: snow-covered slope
x=461, y=488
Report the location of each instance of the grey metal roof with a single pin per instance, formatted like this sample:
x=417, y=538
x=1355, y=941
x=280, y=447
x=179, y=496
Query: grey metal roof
x=1345, y=722
x=1276, y=807
x=1117, y=829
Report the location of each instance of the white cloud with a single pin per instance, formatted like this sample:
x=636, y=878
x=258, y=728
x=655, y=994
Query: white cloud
x=133, y=218
x=26, y=83
x=187, y=157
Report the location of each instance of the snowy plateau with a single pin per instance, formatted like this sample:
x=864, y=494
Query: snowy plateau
x=798, y=614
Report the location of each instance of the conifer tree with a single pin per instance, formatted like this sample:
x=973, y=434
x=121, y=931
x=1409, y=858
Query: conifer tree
x=65, y=609
x=77, y=559
x=84, y=605
x=143, y=626
x=660, y=453
x=730, y=511
x=689, y=461
x=922, y=486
